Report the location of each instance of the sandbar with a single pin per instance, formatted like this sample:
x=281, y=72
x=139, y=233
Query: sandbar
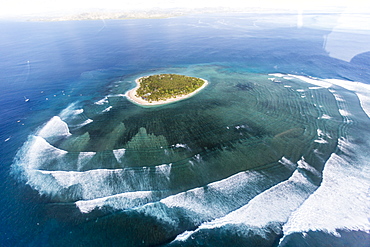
x=131, y=95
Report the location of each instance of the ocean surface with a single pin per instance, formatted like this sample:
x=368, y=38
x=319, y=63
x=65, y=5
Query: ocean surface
x=273, y=152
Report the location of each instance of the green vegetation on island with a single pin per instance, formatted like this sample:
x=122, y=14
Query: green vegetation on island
x=166, y=86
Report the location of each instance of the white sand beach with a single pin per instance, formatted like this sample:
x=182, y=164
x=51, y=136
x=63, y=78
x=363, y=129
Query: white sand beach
x=131, y=95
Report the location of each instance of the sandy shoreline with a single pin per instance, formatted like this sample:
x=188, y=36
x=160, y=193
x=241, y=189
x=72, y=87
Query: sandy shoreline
x=137, y=100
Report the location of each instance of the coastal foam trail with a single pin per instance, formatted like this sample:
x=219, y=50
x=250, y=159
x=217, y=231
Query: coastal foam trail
x=119, y=201
x=99, y=183
x=263, y=215
x=222, y=196
x=189, y=209
x=55, y=128
x=362, y=90
x=342, y=201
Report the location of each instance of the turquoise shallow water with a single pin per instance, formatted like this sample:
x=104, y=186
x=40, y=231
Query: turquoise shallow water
x=251, y=159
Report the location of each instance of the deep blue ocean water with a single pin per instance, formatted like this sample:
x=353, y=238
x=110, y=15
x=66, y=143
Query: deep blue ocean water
x=254, y=159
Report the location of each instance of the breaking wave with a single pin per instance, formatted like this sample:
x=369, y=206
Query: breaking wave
x=276, y=155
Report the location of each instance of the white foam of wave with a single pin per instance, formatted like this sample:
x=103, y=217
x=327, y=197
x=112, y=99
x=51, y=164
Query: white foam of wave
x=218, y=198
x=342, y=200
x=325, y=116
x=321, y=141
x=184, y=236
x=78, y=111
x=344, y=113
x=72, y=114
x=302, y=164
x=55, y=127
x=277, y=74
x=321, y=135
x=314, y=88
x=164, y=169
x=193, y=199
x=37, y=151
x=105, y=100
x=69, y=111
x=119, y=95
x=313, y=80
x=44, y=184
x=86, y=122
x=180, y=145
x=342, y=107
x=102, y=101
x=362, y=90
x=286, y=162
x=91, y=184
x=107, y=109
x=118, y=154
x=83, y=159
x=273, y=205
x=204, y=204
x=197, y=157
x=119, y=201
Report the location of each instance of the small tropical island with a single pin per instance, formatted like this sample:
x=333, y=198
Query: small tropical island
x=164, y=88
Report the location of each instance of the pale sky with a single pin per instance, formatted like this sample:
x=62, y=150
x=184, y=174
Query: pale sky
x=26, y=7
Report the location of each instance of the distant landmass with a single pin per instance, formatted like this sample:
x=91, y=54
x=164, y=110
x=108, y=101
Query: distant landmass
x=105, y=15
x=154, y=13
